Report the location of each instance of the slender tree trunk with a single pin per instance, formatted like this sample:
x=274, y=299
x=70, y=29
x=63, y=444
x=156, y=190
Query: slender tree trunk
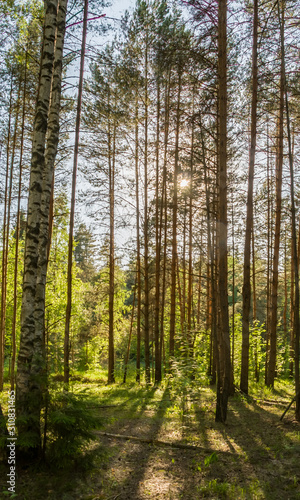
x=295, y=263
x=111, y=162
x=4, y=258
x=10, y=188
x=14, y=320
x=224, y=368
x=157, y=247
x=164, y=217
x=146, y=236
x=190, y=268
x=269, y=244
x=292, y=339
x=199, y=288
x=51, y=213
x=249, y=219
x=233, y=295
x=129, y=337
x=138, y=251
x=174, y=228
x=163, y=286
x=285, y=307
x=274, y=301
x=183, y=309
x=72, y=211
x=180, y=299
x=254, y=306
x=211, y=282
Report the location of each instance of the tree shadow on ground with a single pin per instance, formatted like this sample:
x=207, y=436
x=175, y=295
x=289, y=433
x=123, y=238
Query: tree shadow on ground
x=261, y=443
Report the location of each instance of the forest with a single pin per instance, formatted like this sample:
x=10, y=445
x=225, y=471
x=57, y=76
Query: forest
x=149, y=250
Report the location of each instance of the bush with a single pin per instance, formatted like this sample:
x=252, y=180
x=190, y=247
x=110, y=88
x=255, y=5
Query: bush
x=70, y=422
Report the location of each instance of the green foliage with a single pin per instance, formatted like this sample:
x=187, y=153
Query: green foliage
x=56, y=289
x=10, y=286
x=214, y=487
x=70, y=422
x=211, y=459
x=257, y=350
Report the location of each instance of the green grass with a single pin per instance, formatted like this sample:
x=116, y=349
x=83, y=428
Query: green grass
x=254, y=456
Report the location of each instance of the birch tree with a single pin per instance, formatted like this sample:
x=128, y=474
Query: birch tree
x=31, y=359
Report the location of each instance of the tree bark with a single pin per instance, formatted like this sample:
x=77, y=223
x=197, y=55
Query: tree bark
x=4, y=257
x=295, y=263
x=190, y=268
x=31, y=358
x=279, y=163
x=224, y=368
x=72, y=212
x=249, y=219
x=111, y=164
x=157, y=246
x=14, y=320
x=138, y=251
x=174, y=228
x=146, y=235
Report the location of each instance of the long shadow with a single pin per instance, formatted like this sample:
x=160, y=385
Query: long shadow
x=203, y=416
x=257, y=464
x=258, y=434
x=138, y=455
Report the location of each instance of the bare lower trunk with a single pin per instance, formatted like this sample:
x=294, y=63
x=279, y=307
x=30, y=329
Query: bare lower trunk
x=14, y=321
x=223, y=360
x=146, y=235
x=138, y=252
x=249, y=219
x=279, y=163
x=157, y=248
x=4, y=256
x=72, y=211
x=174, y=229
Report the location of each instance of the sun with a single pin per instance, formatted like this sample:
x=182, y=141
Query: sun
x=184, y=183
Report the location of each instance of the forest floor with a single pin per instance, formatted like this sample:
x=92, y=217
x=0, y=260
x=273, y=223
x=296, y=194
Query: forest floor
x=185, y=453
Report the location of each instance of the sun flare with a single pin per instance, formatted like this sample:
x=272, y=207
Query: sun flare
x=184, y=183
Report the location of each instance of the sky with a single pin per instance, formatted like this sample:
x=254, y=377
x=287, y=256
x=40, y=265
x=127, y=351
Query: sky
x=118, y=7
x=115, y=11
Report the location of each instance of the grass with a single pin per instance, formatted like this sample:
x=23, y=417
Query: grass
x=253, y=456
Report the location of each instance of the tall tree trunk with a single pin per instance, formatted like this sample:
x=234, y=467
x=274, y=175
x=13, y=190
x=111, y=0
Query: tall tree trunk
x=183, y=308
x=4, y=257
x=146, y=236
x=295, y=263
x=130, y=335
x=190, y=268
x=292, y=301
x=157, y=247
x=72, y=211
x=254, y=306
x=138, y=251
x=31, y=358
x=174, y=227
x=199, y=286
x=111, y=163
x=233, y=295
x=14, y=320
x=164, y=217
x=10, y=193
x=249, y=219
x=211, y=281
x=269, y=252
x=224, y=368
x=279, y=162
